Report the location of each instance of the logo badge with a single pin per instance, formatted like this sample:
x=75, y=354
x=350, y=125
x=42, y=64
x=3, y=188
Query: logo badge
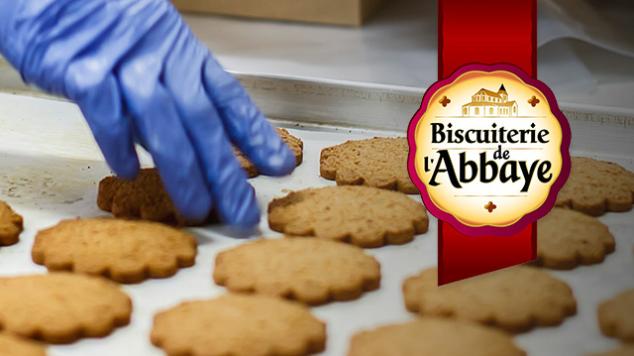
x=489, y=149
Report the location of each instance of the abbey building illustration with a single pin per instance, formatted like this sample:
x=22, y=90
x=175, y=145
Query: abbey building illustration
x=487, y=103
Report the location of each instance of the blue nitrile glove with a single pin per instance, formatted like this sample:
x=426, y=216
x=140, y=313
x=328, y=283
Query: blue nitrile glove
x=139, y=74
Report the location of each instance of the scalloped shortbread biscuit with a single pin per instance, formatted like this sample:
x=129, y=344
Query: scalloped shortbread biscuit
x=595, y=187
x=433, y=336
x=313, y=271
x=379, y=162
x=10, y=225
x=237, y=325
x=142, y=198
x=363, y=216
x=566, y=239
x=124, y=251
x=62, y=307
x=145, y=198
x=295, y=144
x=515, y=299
x=616, y=316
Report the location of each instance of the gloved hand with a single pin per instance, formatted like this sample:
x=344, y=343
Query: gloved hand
x=139, y=74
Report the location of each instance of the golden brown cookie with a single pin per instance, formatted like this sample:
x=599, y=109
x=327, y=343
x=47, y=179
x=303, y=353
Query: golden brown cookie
x=515, y=299
x=433, y=337
x=312, y=271
x=616, y=316
x=566, y=239
x=625, y=350
x=379, y=162
x=295, y=144
x=10, y=225
x=595, y=187
x=14, y=346
x=142, y=198
x=61, y=307
x=145, y=197
x=125, y=251
x=363, y=216
x=238, y=325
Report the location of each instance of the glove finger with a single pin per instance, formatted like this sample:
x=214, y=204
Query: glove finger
x=157, y=123
x=88, y=78
x=156, y=120
x=246, y=125
x=101, y=105
x=234, y=198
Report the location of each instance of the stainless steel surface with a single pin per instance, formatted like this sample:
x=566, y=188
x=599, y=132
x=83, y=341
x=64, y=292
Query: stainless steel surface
x=387, y=107
x=337, y=103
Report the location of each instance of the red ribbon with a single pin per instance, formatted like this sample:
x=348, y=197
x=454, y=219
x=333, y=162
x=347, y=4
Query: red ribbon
x=484, y=32
x=487, y=32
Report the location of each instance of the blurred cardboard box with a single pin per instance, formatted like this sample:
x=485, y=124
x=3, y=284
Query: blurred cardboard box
x=337, y=12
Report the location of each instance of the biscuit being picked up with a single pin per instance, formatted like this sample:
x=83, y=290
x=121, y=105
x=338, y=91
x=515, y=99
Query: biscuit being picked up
x=238, y=325
x=616, y=316
x=364, y=216
x=143, y=198
x=10, y=225
x=124, y=251
x=312, y=271
x=61, y=307
x=14, y=346
x=295, y=144
x=379, y=162
x=433, y=337
x=567, y=238
x=595, y=187
x=515, y=299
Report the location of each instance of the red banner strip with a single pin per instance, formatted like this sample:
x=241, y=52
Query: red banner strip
x=484, y=32
x=487, y=32
x=461, y=256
